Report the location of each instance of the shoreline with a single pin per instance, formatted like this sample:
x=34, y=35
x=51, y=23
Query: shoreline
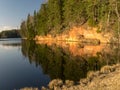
x=105, y=79
x=79, y=34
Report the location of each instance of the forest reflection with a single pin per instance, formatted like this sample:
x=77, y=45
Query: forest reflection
x=69, y=60
x=12, y=44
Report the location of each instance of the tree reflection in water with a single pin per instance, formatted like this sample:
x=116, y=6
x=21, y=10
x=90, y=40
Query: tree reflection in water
x=69, y=60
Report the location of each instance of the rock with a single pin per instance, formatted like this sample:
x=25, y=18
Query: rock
x=90, y=75
x=43, y=88
x=57, y=88
x=107, y=69
x=64, y=87
x=84, y=82
x=100, y=80
x=112, y=69
x=102, y=76
x=69, y=83
x=55, y=83
x=116, y=67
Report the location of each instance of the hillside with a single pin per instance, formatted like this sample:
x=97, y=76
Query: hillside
x=57, y=17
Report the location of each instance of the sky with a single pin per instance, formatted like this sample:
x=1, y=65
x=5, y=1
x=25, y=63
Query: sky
x=13, y=12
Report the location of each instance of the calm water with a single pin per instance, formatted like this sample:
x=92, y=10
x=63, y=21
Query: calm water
x=16, y=71
x=34, y=64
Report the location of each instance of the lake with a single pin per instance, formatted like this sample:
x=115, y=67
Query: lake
x=26, y=63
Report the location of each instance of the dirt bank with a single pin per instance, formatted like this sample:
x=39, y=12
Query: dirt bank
x=81, y=34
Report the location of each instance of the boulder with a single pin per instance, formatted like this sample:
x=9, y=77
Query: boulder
x=69, y=83
x=55, y=83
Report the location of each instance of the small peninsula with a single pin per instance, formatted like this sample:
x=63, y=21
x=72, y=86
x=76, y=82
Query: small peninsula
x=10, y=34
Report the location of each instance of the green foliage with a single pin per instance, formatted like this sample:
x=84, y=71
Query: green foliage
x=24, y=30
x=30, y=26
x=55, y=16
x=42, y=28
x=74, y=12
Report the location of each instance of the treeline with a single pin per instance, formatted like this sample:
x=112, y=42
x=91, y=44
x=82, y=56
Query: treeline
x=10, y=34
x=56, y=16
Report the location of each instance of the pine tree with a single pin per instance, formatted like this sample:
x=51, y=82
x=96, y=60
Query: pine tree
x=42, y=28
x=23, y=30
x=74, y=12
x=35, y=22
x=30, y=27
x=55, y=15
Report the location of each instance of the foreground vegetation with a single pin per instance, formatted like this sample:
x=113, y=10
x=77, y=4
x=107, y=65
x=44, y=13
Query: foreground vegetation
x=57, y=16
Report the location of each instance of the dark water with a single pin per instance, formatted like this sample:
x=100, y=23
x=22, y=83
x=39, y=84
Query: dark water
x=27, y=64
x=16, y=71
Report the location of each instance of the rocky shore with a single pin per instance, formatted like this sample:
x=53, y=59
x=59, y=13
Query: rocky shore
x=108, y=78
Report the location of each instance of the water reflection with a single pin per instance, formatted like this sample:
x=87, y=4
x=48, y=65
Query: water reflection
x=69, y=60
x=9, y=44
x=15, y=70
x=12, y=44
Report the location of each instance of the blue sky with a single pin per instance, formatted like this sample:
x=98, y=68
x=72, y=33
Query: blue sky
x=12, y=12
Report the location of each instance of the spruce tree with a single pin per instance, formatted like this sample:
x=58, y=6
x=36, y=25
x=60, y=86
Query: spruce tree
x=55, y=15
x=42, y=28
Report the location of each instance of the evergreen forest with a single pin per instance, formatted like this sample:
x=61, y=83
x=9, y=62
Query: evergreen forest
x=56, y=16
